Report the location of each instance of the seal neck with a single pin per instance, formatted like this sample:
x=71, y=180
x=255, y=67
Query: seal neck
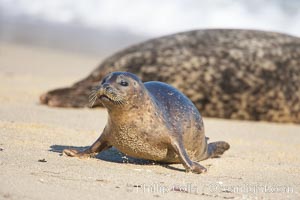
x=144, y=103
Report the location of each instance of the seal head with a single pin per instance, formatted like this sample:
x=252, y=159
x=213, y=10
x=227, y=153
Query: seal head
x=118, y=89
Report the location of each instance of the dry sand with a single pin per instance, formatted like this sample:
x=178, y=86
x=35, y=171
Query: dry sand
x=263, y=161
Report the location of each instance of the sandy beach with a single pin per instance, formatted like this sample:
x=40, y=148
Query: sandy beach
x=263, y=162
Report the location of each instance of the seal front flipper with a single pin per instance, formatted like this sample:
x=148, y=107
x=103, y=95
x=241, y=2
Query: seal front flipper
x=185, y=160
x=99, y=145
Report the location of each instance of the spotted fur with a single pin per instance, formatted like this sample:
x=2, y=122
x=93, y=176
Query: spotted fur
x=235, y=74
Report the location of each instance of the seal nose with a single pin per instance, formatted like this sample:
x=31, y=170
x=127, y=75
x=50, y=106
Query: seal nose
x=107, y=88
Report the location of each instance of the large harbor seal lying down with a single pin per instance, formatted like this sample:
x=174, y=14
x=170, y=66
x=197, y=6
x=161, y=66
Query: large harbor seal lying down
x=236, y=74
x=152, y=121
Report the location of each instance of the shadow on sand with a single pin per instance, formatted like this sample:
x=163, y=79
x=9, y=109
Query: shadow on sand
x=113, y=155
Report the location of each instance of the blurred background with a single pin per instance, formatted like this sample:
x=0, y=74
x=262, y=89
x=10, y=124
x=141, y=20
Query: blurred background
x=100, y=27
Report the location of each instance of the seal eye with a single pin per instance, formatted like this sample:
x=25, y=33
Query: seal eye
x=124, y=83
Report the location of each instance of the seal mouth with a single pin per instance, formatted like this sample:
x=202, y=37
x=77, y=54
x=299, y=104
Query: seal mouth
x=116, y=100
x=105, y=95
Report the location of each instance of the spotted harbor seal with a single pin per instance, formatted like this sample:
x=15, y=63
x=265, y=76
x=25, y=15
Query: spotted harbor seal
x=235, y=74
x=152, y=121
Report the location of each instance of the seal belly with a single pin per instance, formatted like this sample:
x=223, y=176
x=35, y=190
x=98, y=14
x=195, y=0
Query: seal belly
x=130, y=140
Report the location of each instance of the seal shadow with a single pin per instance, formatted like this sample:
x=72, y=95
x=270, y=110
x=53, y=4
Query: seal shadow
x=113, y=155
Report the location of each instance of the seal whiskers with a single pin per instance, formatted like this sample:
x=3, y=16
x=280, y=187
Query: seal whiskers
x=93, y=96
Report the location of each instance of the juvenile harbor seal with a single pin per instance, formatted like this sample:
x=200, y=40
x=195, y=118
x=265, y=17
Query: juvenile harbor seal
x=152, y=121
x=235, y=74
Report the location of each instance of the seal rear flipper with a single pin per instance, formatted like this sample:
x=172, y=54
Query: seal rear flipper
x=75, y=96
x=215, y=149
x=65, y=97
